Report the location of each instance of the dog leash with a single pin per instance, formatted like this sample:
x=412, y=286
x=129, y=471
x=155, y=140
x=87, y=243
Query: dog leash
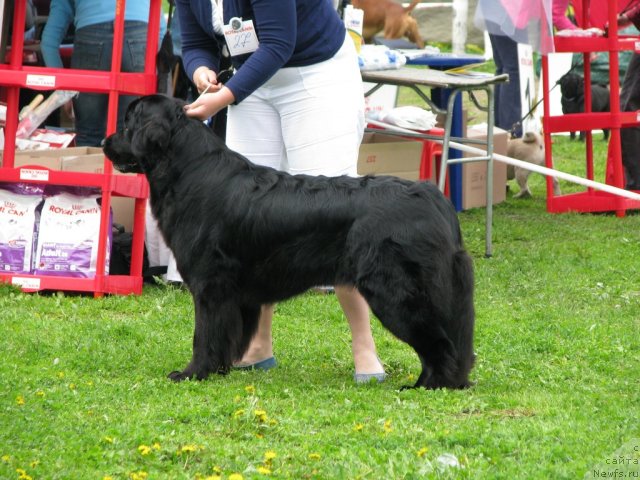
x=515, y=126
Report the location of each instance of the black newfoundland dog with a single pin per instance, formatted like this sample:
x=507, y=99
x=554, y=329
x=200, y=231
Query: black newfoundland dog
x=245, y=235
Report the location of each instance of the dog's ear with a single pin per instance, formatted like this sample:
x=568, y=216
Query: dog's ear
x=152, y=137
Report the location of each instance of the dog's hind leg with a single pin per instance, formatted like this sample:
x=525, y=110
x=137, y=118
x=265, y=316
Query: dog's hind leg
x=434, y=314
x=216, y=339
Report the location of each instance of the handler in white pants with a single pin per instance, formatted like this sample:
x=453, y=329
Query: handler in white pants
x=295, y=103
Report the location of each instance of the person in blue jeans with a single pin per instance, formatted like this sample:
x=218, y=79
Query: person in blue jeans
x=507, y=103
x=92, y=48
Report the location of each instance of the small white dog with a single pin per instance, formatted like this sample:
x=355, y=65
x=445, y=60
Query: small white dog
x=529, y=148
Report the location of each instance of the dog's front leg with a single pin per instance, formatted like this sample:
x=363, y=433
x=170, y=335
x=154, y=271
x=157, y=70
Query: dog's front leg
x=214, y=338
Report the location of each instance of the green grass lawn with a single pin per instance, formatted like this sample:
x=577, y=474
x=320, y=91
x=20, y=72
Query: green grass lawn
x=84, y=394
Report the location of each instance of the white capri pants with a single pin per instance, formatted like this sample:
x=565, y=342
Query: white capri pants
x=304, y=119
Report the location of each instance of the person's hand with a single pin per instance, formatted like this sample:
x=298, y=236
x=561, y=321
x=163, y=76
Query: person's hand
x=204, y=78
x=208, y=104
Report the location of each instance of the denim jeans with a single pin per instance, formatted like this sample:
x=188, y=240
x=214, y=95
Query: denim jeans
x=92, y=50
x=507, y=105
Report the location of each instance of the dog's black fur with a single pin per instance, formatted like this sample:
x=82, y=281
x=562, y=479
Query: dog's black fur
x=245, y=235
x=572, y=90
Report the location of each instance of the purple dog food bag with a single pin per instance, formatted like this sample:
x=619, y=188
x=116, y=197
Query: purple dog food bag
x=68, y=236
x=17, y=229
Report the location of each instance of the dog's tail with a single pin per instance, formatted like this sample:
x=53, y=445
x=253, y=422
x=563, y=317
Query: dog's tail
x=463, y=316
x=411, y=6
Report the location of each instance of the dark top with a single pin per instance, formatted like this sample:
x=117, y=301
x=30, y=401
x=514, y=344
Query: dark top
x=292, y=33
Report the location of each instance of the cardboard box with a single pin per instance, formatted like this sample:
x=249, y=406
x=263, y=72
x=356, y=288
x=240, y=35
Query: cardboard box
x=474, y=174
x=51, y=158
x=382, y=154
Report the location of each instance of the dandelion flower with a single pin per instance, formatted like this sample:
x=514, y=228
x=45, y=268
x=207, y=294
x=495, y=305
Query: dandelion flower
x=269, y=455
x=260, y=436
x=238, y=413
x=236, y=476
x=422, y=451
x=191, y=448
x=261, y=415
x=138, y=475
x=217, y=470
x=156, y=446
x=387, y=426
x=264, y=470
x=20, y=400
x=5, y=458
x=107, y=477
x=314, y=456
x=60, y=374
x=358, y=427
x=250, y=389
x=108, y=439
x=39, y=393
x=144, y=450
x=22, y=474
x=72, y=386
x=34, y=463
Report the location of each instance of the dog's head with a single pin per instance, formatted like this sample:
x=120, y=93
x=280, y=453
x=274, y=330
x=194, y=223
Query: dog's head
x=571, y=85
x=149, y=125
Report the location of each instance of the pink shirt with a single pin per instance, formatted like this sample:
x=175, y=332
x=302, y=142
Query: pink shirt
x=559, y=17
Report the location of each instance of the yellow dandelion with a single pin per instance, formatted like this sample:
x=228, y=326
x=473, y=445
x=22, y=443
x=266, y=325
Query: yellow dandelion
x=217, y=470
x=72, y=386
x=250, y=389
x=144, y=450
x=273, y=422
x=238, y=413
x=141, y=475
x=39, y=393
x=20, y=400
x=260, y=436
x=264, y=470
x=387, y=426
x=108, y=439
x=156, y=446
x=358, y=427
x=212, y=477
x=422, y=451
x=269, y=455
x=89, y=383
x=22, y=474
x=236, y=476
x=237, y=398
x=5, y=458
x=90, y=412
x=60, y=375
x=190, y=448
x=314, y=456
x=107, y=477
x=411, y=377
x=34, y=463
x=261, y=415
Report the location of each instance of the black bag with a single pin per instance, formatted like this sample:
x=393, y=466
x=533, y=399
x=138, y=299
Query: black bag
x=120, y=261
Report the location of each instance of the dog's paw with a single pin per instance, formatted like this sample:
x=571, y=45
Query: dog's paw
x=179, y=376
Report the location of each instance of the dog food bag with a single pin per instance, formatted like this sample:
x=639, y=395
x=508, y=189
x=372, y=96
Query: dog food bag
x=68, y=236
x=353, y=20
x=17, y=230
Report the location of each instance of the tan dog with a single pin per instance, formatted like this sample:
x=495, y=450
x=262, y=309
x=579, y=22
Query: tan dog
x=391, y=18
x=529, y=148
